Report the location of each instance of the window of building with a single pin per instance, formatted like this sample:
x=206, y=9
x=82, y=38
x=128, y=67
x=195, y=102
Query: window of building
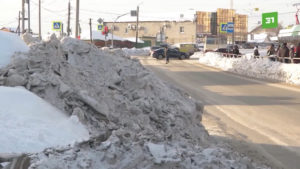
x=115, y=28
x=181, y=29
x=126, y=30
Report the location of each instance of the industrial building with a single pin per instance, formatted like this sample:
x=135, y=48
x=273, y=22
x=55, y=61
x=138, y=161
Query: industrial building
x=208, y=24
x=156, y=32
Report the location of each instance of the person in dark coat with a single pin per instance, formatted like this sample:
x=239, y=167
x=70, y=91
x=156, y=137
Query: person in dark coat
x=166, y=55
x=236, y=50
x=256, y=52
x=271, y=50
x=283, y=52
x=297, y=51
x=292, y=51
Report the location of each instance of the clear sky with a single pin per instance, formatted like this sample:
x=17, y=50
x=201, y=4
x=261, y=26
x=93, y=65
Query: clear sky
x=56, y=10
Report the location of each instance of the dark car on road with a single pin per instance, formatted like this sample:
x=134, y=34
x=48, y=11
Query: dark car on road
x=229, y=49
x=172, y=53
x=153, y=48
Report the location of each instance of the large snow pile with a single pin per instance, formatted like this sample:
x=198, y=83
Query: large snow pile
x=135, y=120
x=259, y=68
x=30, y=124
x=9, y=44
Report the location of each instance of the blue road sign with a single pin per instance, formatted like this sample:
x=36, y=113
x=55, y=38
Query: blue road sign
x=100, y=27
x=230, y=27
x=223, y=28
x=56, y=26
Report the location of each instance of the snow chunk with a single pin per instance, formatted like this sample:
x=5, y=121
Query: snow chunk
x=29, y=124
x=9, y=44
x=162, y=153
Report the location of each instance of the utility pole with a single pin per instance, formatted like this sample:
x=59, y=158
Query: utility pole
x=19, y=23
x=233, y=19
x=113, y=29
x=23, y=16
x=40, y=24
x=161, y=34
x=62, y=30
x=28, y=17
x=69, y=16
x=137, y=26
x=77, y=20
x=91, y=33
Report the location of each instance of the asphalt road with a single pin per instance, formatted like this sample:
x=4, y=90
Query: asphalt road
x=266, y=114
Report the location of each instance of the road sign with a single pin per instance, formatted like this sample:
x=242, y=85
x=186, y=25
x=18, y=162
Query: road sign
x=57, y=25
x=100, y=27
x=133, y=13
x=223, y=28
x=100, y=20
x=230, y=27
x=270, y=20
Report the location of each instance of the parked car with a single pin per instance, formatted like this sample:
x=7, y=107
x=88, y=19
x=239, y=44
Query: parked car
x=172, y=53
x=153, y=48
x=228, y=49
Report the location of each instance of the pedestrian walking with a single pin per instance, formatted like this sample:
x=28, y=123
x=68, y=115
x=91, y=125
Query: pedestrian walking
x=236, y=50
x=271, y=50
x=166, y=55
x=283, y=52
x=292, y=51
x=256, y=52
x=297, y=51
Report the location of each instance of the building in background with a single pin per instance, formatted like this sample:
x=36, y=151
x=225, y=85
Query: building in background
x=258, y=34
x=9, y=29
x=156, y=32
x=208, y=24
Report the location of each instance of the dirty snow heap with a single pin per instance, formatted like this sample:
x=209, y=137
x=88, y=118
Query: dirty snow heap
x=135, y=120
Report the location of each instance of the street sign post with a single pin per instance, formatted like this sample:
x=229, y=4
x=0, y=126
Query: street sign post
x=230, y=27
x=223, y=28
x=100, y=27
x=270, y=20
x=133, y=13
x=57, y=26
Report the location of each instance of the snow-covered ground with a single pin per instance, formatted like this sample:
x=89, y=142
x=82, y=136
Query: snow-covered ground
x=258, y=68
x=29, y=124
x=9, y=44
x=135, y=120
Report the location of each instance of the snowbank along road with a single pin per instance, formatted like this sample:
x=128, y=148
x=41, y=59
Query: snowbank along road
x=133, y=118
x=265, y=114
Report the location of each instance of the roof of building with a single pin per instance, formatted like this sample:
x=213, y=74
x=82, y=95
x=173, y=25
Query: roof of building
x=97, y=35
x=293, y=31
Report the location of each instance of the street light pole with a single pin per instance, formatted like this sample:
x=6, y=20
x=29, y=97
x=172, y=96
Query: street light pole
x=23, y=16
x=113, y=29
x=77, y=20
x=28, y=3
x=137, y=26
x=40, y=24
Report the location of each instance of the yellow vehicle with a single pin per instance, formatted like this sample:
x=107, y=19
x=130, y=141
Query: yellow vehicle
x=188, y=48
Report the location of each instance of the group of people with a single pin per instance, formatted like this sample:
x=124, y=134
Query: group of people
x=283, y=51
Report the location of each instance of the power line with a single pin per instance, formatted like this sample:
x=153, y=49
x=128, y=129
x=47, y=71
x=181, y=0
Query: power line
x=53, y=11
x=100, y=12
